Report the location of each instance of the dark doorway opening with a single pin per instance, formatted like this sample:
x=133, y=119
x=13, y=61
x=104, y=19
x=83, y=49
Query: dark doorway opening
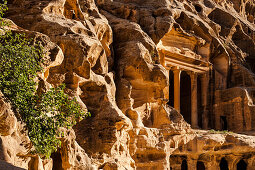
x=57, y=161
x=224, y=123
x=171, y=89
x=241, y=165
x=184, y=165
x=199, y=103
x=249, y=30
x=200, y=165
x=186, y=96
x=198, y=8
x=224, y=164
x=250, y=64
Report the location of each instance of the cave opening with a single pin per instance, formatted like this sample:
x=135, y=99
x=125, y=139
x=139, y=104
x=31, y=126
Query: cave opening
x=198, y=8
x=241, y=165
x=249, y=30
x=184, y=165
x=224, y=164
x=200, y=165
x=57, y=161
x=250, y=64
x=224, y=123
x=186, y=96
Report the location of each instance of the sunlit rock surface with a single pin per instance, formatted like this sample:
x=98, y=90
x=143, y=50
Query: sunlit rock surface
x=151, y=73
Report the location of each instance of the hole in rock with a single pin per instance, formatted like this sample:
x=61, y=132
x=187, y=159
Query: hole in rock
x=184, y=165
x=78, y=157
x=224, y=123
x=198, y=8
x=249, y=31
x=200, y=165
x=73, y=14
x=241, y=165
x=224, y=164
x=57, y=161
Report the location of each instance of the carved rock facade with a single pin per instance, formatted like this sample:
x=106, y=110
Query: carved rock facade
x=151, y=73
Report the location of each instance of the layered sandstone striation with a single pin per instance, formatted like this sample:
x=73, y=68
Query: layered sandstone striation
x=151, y=73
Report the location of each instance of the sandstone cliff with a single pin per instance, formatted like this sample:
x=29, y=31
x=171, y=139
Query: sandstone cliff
x=151, y=73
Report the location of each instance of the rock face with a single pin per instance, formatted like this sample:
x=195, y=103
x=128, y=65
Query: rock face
x=149, y=72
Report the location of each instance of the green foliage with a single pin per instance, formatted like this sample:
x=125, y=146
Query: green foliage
x=52, y=110
x=220, y=132
x=43, y=114
x=3, y=8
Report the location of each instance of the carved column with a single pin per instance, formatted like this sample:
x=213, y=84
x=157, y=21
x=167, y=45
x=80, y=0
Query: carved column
x=192, y=163
x=204, y=91
x=250, y=163
x=194, y=116
x=177, y=76
x=213, y=165
x=162, y=57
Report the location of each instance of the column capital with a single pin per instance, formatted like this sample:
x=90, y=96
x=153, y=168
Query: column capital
x=193, y=77
x=192, y=74
x=176, y=69
x=205, y=75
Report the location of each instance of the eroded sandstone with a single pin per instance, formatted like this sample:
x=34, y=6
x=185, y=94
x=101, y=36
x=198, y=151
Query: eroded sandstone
x=148, y=72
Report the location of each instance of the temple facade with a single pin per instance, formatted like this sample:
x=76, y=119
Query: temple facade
x=188, y=76
x=200, y=85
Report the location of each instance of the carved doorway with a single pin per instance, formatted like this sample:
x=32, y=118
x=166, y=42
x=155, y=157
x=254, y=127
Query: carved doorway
x=57, y=160
x=224, y=164
x=184, y=165
x=200, y=165
x=241, y=165
x=224, y=123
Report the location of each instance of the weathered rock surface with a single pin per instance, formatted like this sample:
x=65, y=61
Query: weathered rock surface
x=117, y=56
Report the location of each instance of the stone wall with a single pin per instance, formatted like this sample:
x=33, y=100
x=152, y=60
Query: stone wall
x=115, y=57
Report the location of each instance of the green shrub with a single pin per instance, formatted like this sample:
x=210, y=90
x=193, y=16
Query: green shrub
x=44, y=114
x=220, y=131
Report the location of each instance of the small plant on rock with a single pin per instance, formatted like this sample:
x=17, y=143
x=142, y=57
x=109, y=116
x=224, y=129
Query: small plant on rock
x=44, y=114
